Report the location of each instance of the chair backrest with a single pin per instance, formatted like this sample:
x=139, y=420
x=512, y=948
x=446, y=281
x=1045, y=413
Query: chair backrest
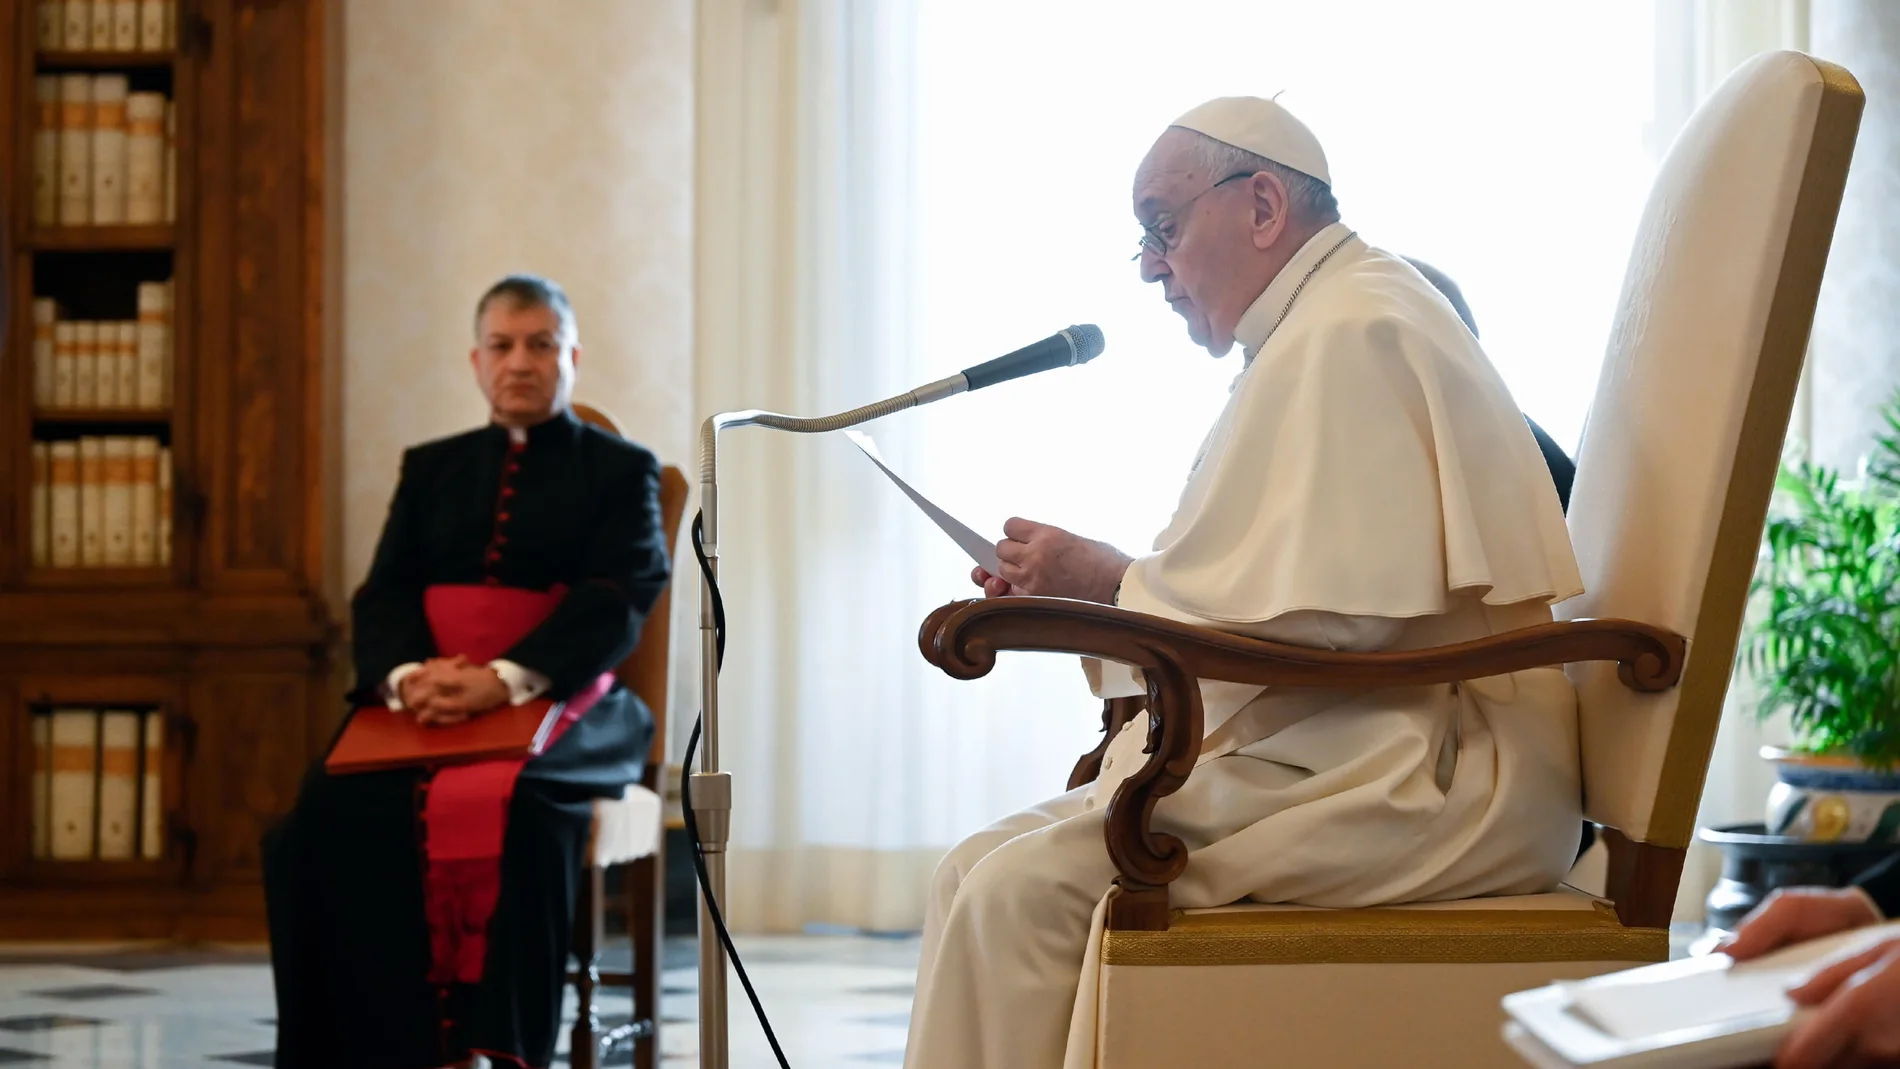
x=646, y=670
x=1679, y=456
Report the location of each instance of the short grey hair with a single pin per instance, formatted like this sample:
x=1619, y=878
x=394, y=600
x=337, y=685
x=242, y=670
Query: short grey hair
x=530, y=291
x=1308, y=198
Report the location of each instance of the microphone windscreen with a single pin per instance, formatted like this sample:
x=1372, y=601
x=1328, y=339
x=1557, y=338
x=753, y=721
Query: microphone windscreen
x=1088, y=341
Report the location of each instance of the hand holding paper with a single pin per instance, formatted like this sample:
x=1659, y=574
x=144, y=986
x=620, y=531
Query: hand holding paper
x=1034, y=558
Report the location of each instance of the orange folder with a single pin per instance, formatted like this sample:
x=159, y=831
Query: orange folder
x=379, y=738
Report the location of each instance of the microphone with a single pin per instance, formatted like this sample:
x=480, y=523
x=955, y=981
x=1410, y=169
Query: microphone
x=1076, y=345
x=712, y=804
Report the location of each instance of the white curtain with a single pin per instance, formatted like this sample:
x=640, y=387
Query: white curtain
x=850, y=773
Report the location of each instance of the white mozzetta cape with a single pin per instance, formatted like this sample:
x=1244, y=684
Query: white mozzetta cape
x=1370, y=468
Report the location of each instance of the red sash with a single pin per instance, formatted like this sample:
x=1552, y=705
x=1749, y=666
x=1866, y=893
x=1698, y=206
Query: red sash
x=465, y=807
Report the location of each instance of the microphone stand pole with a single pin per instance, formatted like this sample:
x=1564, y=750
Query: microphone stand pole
x=711, y=787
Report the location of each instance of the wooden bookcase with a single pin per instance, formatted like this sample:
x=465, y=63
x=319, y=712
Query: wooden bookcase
x=232, y=641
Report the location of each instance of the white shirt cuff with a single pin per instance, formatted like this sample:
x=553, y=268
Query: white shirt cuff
x=392, y=683
x=524, y=684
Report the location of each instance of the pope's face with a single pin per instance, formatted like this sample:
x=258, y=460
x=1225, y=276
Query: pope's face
x=1200, y=238
x=523, y=362
x=1190, y=234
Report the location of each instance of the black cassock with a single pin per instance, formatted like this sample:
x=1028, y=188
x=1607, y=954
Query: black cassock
x=343, y=873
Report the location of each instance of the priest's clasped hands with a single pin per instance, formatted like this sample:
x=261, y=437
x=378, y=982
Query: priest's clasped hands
x=1038, y=560
x=449, y=690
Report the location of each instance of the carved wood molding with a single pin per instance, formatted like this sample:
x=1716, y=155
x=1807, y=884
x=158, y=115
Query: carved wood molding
x=963, y=639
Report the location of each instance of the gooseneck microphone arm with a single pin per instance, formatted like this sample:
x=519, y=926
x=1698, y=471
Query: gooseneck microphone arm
x=709, y=791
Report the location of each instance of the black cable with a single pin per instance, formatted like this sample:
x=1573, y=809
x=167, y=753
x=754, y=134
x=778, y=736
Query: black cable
x=686, y=796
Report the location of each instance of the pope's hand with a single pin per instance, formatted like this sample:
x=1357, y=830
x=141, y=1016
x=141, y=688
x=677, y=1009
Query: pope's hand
x=1043, y=561
x=1795, y=915
x=1856, y=1018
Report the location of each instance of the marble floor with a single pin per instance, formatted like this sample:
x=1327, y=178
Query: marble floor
x=833, y=1000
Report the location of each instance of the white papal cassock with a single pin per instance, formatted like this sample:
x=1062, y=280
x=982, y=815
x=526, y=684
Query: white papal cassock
x=1370, y=485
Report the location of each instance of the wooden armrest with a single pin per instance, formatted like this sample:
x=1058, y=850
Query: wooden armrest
x=963, y=638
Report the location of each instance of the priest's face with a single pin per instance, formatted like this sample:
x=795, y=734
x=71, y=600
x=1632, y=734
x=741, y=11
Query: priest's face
x=1208, y=238
x=524, y=361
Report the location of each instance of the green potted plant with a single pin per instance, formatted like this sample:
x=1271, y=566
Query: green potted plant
x=1825, y=646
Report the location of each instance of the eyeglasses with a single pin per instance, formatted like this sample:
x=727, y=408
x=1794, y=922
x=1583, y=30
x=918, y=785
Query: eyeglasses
x=1151, y=239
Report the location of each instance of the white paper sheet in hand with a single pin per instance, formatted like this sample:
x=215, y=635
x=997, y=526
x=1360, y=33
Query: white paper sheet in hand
x=980, y=549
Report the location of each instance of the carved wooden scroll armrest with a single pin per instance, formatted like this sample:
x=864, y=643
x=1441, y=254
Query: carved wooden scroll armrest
x=963, y=638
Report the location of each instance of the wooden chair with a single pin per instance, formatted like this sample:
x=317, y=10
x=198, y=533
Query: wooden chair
x=628, y=831
x=1672, y=486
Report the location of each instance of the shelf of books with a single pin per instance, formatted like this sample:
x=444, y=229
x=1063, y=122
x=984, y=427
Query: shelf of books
x=103, y=254
x=96, y=259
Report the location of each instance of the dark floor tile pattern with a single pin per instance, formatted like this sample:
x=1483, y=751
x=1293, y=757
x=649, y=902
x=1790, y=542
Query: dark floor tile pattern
x=93, y=992
x=45, y=1022
x=20, y=1057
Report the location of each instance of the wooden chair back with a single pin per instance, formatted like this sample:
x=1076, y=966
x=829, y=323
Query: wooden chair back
x=646, y=671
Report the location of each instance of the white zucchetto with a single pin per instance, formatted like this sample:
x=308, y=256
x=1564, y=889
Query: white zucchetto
x=1263, y=128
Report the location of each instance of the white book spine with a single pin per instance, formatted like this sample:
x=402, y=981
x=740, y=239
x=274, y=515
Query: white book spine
x=125, y=25
x=170, y=337
x=117, y=499
x=85, y=364
x=48, y=25
x=76, y=26
x=119, y=785
x=92, y=502
x=42, y=782
x=152, y=790
x=128, y=353
x=171, y=148
x=64, y=504
x=65, y=365
x=45, y=325
x=75, y=145
x=75, y=737
x=152, y=26
x=46, y=151
x=145, y=158
x=145, y=501
x=105, y=371
x=154, y=330
x=101, y=25
x=42, y=504
x=164, y=506
x=108, y=149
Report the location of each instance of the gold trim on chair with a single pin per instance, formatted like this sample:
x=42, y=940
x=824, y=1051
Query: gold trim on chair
x=1387, y=936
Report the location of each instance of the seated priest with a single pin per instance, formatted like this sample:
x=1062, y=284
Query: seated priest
x=1371, y=485
x=418, y=918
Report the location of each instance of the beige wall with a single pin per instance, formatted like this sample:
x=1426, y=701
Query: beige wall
x=486, y=136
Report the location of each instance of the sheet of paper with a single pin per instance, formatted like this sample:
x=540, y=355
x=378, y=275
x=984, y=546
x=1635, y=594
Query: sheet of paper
x=1703, y=992
x=980, y=549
